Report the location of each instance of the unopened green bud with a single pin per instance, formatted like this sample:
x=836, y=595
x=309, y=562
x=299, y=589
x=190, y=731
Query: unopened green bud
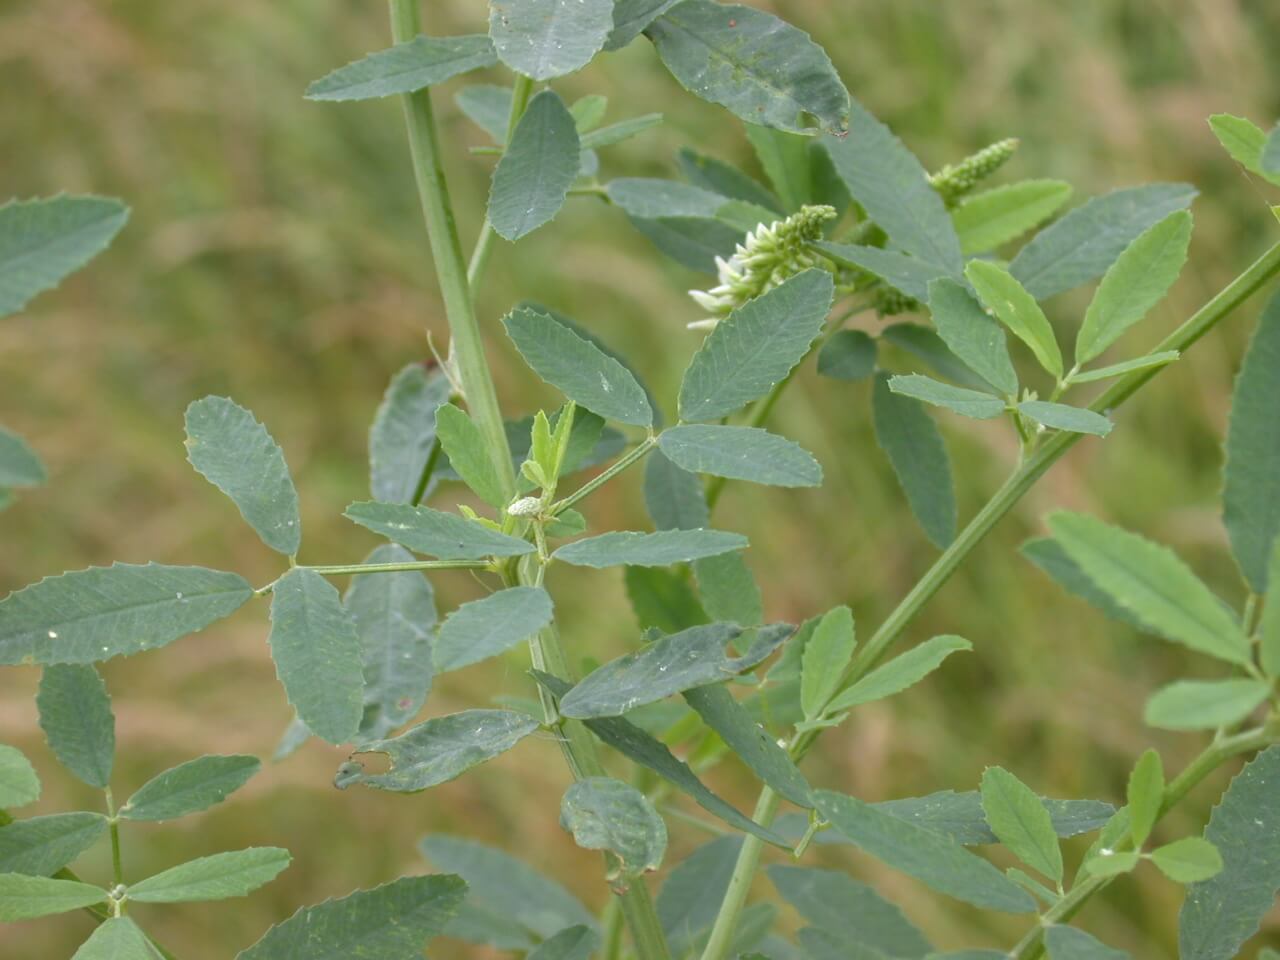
x=890, y=302
x=956, y=180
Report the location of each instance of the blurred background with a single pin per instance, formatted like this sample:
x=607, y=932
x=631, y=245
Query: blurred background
x=276, y=255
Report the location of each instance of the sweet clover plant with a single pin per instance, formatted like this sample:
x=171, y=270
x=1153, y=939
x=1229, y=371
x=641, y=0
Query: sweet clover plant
x=848, y=225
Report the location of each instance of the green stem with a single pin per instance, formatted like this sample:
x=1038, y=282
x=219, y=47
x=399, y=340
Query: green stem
x=114, y=824
x=635, y=455
x=424, y=481
x=520, y=95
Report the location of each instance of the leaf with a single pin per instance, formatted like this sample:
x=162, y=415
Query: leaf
x=669, y=665
x=533, y=177
x=468, y=454
x=76, y=717
x=391, y=922
x=1068, y=943
x=488, y=107
x=1017, y=309
x=755, y=347
x=395, y=618
x=1150, y=581
x=1205, y=704
x=827, y=652
x=649, y=549
x=663, y=599
x=607, y=814
x=923, y=344
x=1271, y=156
x=404, y=433
x=235, y=453
x=728, y=590
x=40, y=846
x=1251, y=477
x=988, y=220
x=1189, y=860
x=573, y=943
x=740, y=453
x=1083, y=244
x=690, y=897
x=1021, y=822
x=42, y=241
x=972, y=335
x=967, y=403
x=317, y=654
x=104, y=612
x=549, y=38
x=19, y=784
x=236, y=873
x=1061, y=416
x=435, y=533
x=752, y=744
x=1269, y=642
x=722, y=178
x=765, y=71
x=25, y=898
x=440, y=749
x=1145, y=796
x=405, y=68
x=848, y=355
x=1158, y=359
x=19, y=465
x=891, y=185
x=190, y=787
x=673, y=496
x=910, y=276
x=960, y=815
x=634, y=743
x=578, y=368
x=617, y=132
x=910, y=439
x=485, y=628
x=118, y=938
x=1244, y=140
x=929, y=857
x=1047, y=554
x=650, y=198
x=693, y=242
x=849, y=910
x=785, y=159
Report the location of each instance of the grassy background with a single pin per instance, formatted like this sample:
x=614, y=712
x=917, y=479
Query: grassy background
x=276, y=255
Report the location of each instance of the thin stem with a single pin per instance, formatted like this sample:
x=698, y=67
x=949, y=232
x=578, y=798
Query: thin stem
x=744, y=871
x=520, y=95
x=113, y=822
x=635, y=455
x=428, y=468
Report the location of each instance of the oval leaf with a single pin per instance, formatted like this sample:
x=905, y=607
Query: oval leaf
x=992, y=218
x=910, y=438
x=533, y=177
x=972, y=335
x=25, y=898
x=901, y=672
x=434, y=532
x=190, y=787
x=1061, y=416
x=549, y=38
x=485, y=628
x=404, y=433
x=659, y=549
x=741, y=453
x=19, y=784
x=405, y=68
x=1205, y=704
x=1021, y=822
x=236, y=873
x=1017, y=309
x=41, y=846
x=75, y=714
x=967, y=403
x=19, y=465
x=607, y=814
x=117, y=939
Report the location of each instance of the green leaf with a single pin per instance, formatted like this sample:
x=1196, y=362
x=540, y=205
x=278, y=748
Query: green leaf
x=485, y=628
x=617, y=132
x=693, y=242
x=849, y=910
x=1244, y=140
x=848, y=355
x=25, y=898
x=405, y=68
x=719, y=177
x=1136, y=282
x=728, y=590
x=910, y=438
x=891, y=185
x=741, y=453
x=1047, y=554
x=1269, y=654
x=317, y=654
x=549, y=38
x=967, y=403
x=533, y=177
x=960, y=815
x=190, y=787
x=235, y=453
x=391, y=922
x=1151, y=582
x=435, y=533
x=1017, y=309
x=992, y=218
x=119, y=938
x=19, y=465
x=663, y=599
x=691, y=896
x=607, y=814
x=669, y=665
x=1061, y=416
x=1251, y=477
x=488, y=107
x=1083, y=244
x=404, y=433
x=1021, y=822
x=105, y=612
x=440, y=749
x=673, y=496
x=40, y=846
x=901, y=672
x=222, y=876
x=578, y=368
x=468, y=454
x=19, y=784
x=42, y=241
x=763, y=70
x=1068, y=943
x=923, y=344
x=1189, y=860
x=827, y=652
x=1271, y=156
x=1127, y=366
x=1145, y=796
x=634, y=743
x=752, y=744
x=785, y=159
x=929, y=857
x=908, y=275
x=395, y=618
x=1205, y=704
x=573, y=943
x=972, y=335
x=649, y=198
x=75, y=714
x=755, y=347
x=659, y=549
